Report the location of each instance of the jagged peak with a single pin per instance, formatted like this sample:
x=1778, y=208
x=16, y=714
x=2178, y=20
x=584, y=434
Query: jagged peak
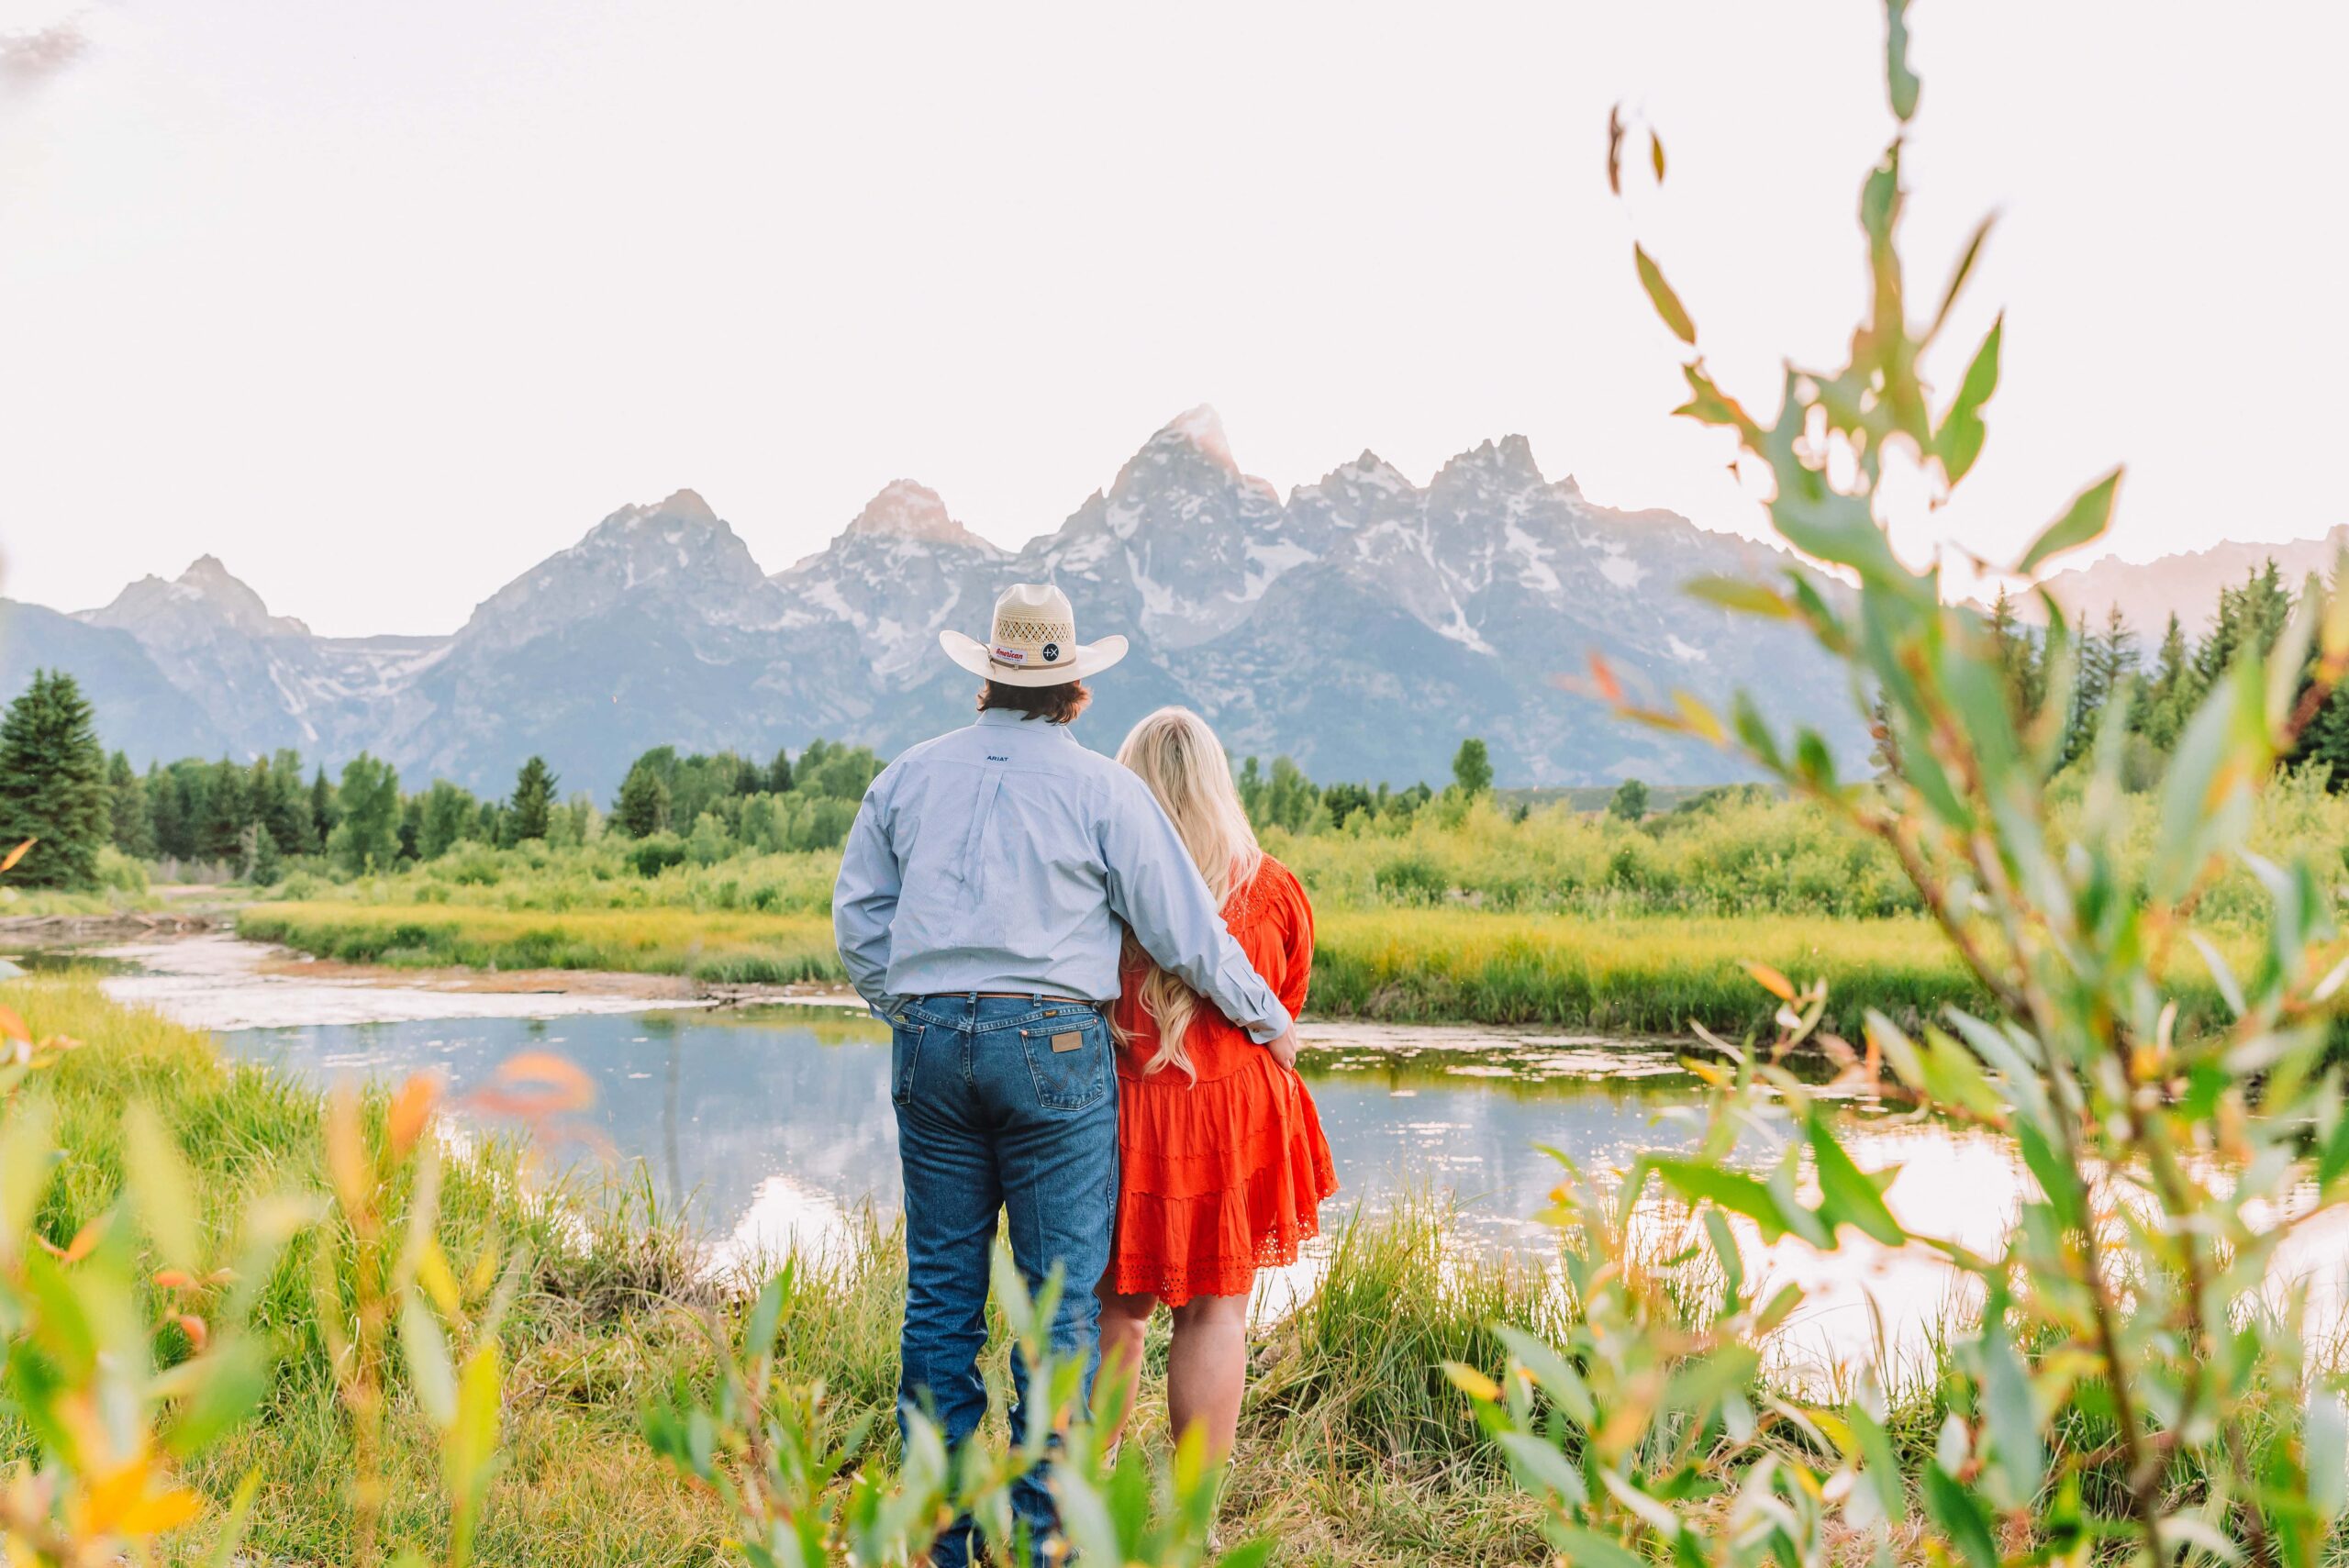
x=1201, y=428
x=906, y=508
x=679, y=507
x=1511, y=458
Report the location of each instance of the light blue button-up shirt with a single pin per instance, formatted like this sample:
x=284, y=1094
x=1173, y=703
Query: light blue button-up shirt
x=1002, y=858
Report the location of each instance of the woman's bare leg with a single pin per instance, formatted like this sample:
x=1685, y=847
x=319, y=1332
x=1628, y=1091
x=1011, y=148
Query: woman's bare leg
x=1125, y=1321
x=1207, y=1367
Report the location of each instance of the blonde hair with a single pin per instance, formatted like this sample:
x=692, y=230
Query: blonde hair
x=1177, y=754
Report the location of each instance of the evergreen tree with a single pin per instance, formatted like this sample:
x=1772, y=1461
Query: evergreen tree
x=130, y=824
x=220, y=825
x=283, y=806
x=267, y=864
x=779, y=773
x=324, y=813
x=53, y=784
x=367, y=836
x=1472, y=767
x=2159, y=715
x=166, y=820
x=1631, y=802
x=643, y=809
x=533, y=801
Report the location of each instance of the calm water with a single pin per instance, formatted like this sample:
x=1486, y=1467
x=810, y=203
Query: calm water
x=770, y=1124
x=751, y=1116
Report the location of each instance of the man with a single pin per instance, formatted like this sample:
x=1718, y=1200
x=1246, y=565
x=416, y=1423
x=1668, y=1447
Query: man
x=978, y=912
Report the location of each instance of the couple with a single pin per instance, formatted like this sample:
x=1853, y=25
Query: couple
x=1090, y=970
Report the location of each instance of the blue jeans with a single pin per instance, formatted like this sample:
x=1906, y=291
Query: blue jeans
x=999, y=1109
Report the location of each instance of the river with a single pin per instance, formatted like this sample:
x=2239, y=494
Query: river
x=770, y=1127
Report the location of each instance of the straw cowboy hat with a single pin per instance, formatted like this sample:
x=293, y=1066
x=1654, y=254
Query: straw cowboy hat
x=1034, y=641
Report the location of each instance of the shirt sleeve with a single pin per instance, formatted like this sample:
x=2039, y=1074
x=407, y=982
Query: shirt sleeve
x=865, y=901
x=1155, y=889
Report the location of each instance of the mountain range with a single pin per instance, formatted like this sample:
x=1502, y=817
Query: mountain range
x=1363, y=625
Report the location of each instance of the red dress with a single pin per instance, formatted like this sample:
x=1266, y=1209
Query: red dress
x=1223, y=1176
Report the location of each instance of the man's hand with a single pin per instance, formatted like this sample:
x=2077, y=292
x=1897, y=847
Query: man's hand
x=1283, y=1047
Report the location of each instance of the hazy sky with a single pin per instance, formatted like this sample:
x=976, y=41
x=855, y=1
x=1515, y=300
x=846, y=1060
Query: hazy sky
x=381, y=303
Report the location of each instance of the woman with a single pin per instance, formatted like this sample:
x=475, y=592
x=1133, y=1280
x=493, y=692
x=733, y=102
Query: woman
x=1222, y=1162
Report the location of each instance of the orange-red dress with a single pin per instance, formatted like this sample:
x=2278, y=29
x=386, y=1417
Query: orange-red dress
x=1223, y=1176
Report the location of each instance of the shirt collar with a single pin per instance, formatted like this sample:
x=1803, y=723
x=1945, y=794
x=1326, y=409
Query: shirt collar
x=1005, y=719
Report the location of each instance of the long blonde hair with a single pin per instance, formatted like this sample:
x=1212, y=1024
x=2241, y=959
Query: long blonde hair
x=1177, y=754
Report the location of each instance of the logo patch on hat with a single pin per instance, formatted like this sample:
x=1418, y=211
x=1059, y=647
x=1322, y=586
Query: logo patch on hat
x=1051, y=652
x=1011, y=655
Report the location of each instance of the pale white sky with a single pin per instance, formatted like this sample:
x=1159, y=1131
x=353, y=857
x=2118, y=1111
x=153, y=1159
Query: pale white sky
x=382, y=303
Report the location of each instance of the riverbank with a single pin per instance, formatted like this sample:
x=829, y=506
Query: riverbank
x=1357, y=1449
x=1636, y=974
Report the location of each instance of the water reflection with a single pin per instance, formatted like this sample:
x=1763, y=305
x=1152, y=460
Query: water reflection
x=768, y=1126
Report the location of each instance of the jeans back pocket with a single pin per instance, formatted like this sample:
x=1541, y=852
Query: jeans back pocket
x=1069, y=1060
x=904, y=1054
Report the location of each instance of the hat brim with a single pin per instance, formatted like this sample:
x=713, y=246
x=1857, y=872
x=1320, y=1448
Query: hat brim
x=1090, y=658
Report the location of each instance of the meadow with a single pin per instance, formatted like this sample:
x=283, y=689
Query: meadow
x=1467, y=909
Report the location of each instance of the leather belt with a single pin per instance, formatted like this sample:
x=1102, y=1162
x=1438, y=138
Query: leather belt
x=1011, y=995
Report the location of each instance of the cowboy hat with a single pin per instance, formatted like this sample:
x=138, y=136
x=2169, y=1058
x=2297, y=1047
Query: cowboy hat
x=1034, y=641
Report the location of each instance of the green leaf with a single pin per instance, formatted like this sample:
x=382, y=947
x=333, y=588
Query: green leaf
x=1846, y=1197
x=1667, y=303
x=1733, y=1190
x=1900, y=82
x=162, y=1189
x=430, y=1371
x=1552, y=1372
x=1957, y=278
x=1589, y=1549
x=1959, y=441
x=235, y=1374
x=1953, y=1509
x=1541, y=1467
x=2012, y=1416
x=1741, y=595
x=2086, y=517
x=232, y=1529
x=2325, y=1448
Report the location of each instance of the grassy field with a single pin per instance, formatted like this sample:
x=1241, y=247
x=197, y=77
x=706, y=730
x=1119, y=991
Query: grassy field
x=1637, y=973
x=1464, y=911
x=1354, y=1449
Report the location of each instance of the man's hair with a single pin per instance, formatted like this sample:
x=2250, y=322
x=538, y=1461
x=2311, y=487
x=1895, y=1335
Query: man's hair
x=1053, y=704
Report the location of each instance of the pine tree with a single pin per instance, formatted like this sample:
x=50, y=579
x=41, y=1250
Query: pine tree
x=533, y=801
x=130, y=824
x=1472, y=767
x=779, y=773
x=267, y=863
x=643, y=809
x=54, y=784
x=2159, y=716
x=220, y=825
x=166, y=817
x=324, y=813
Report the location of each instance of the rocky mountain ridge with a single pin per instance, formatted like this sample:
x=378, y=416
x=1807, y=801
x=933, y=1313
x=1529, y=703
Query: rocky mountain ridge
x=1364, y=626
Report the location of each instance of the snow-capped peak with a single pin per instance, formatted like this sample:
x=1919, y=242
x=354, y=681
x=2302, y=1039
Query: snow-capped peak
x=906, y=509
x=1203, y=429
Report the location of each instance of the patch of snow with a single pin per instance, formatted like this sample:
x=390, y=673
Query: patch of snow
x=1537, y=570
x=1272, y=560
x=1622, y=569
